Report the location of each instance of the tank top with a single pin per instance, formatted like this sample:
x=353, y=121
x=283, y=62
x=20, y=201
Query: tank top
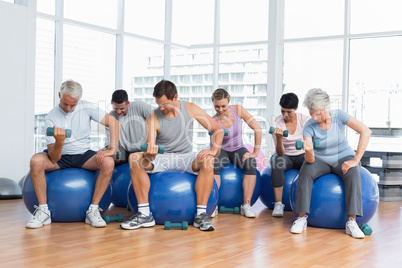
x=233, y=141
x=176, y=133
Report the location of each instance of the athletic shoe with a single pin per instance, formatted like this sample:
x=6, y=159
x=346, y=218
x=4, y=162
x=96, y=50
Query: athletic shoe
x=94, y=218
x=41, y=216
x=299, y=225
x=247, y=211
x=138, y=220
x=353, y=229
x=215, y=213
x=278, y=210
x=203, y=222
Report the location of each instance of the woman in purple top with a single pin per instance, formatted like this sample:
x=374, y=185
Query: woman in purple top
x=233, y=150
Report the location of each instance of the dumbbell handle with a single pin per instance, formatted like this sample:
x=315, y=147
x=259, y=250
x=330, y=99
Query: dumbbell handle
x=299, y=144
x=226, y=131
x=285, y=132
x=161, y=148
x=50, y=131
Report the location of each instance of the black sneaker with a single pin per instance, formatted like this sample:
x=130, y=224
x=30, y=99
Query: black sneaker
x=203, y=222
x=138, y=220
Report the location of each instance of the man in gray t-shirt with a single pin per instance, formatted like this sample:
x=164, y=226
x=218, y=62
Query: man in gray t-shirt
x=132, y=117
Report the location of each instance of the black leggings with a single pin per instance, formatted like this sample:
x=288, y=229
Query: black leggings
x=280, y=164
x=250, y=165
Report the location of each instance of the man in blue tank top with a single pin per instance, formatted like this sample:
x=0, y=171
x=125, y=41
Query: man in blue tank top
x=171, y=125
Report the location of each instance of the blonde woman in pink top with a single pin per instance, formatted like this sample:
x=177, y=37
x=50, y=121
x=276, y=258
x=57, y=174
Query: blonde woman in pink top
x=233, y=150
x=286, y=157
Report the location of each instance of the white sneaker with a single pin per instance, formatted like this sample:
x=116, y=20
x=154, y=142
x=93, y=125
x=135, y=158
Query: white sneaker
x=299, y=225
x=94, y=218
x=278, y=210
x=215, y=212
x=247, y=211
x=353, y=229
x=41, y=216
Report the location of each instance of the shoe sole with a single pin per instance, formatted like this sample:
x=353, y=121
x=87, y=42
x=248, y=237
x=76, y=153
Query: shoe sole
x=96, y=226
x=357, y=237
x=277, y=215
x=43, y=224
x=210, y=228
x=304, y=229
x=247, y=216
x=144, y=225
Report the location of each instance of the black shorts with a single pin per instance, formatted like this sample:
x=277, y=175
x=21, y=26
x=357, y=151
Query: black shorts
x=74, y=160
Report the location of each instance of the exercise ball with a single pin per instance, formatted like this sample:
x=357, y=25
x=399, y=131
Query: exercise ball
x=120, y=181
x=231, y=190
x=328, y=207
x=9, y=189
x=267, y=191
x=260, y=159
x=69, y=194
x=172, y=197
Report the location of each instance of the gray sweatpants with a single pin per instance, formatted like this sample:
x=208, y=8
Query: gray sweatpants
x=280, y=164
x=309, y=172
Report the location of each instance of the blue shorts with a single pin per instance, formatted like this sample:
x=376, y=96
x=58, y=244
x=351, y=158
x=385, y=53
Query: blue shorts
x=74, y=160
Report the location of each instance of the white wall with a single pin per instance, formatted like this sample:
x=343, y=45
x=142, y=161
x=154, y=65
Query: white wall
x=17, y=85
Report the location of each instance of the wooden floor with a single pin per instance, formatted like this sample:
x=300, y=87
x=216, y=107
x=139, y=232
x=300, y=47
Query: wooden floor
x=236, y=242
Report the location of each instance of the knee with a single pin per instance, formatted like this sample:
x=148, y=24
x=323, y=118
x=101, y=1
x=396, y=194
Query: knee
x=278, y=162
x=108, y=164
x=135, y=159
x=250, y=166
x=208, y=163
x=36, y=161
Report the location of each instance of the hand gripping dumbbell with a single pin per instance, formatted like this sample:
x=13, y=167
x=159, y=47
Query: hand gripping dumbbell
x=235, y=210
x=316, y=144
x=366, y=229
x=169, y=225
x=50, y=131
x=285, y=132
x=226, y=132
x=161, y=148
x=118, y=218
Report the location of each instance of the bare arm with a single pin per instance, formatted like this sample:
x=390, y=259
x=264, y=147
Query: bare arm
x=209, y=124
x=253, y=124
x=365, y=134
x=152, y=128
x=309, y=149
x=54, y=149
x=114, y=130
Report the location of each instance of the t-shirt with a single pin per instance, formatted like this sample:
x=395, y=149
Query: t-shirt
x=290, y=140
x=132, y=127
x=333, y=143
x=79, y=121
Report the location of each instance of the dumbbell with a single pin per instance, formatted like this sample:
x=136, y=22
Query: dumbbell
x=316, y=144
x=169, y=225
x=235, y=210
x=161, y=148
x=285, y=132
x=49, y=132
x=118, y=154
x=118, y=218
x=366, y=229
x=226, y=132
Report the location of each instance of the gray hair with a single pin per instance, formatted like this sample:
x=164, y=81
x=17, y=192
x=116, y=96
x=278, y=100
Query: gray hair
x=316, y=99
x=71, y=88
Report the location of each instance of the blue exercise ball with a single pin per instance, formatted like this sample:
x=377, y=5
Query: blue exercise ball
x=328, y=207
x=120, y=181
x=231, y=189
x=267, y=191
x=172, y=197
x=69, y=194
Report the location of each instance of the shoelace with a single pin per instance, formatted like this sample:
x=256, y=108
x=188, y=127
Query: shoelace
x=37, y=215
x=135, y=217
x=204, y=217
x=299, y=219
x=97, y=213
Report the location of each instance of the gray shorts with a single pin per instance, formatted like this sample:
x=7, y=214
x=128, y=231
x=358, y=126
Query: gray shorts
x=174, y=161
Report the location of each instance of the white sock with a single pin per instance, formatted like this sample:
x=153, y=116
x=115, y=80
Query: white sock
x=201, y=209
x=44, y=206
x=144, y=209
x=92, y=206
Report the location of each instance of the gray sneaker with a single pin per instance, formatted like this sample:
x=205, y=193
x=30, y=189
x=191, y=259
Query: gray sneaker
x=203, y=222
x=138, y=220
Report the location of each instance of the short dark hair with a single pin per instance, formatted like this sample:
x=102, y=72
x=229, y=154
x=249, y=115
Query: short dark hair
x=165, y=87
x=120, y=96
x=289, y=101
